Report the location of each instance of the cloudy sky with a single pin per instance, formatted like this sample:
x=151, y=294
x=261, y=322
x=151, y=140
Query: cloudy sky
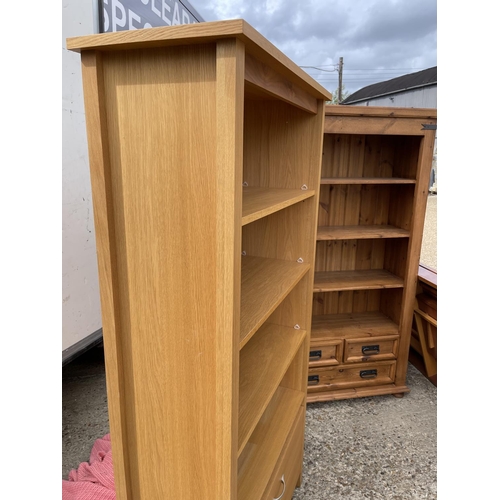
x=378, y=39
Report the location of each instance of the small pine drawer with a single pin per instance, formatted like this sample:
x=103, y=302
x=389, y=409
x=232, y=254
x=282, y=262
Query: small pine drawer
x=347, y=376
x=289, y=465
x=325, y=353
x=366, y=349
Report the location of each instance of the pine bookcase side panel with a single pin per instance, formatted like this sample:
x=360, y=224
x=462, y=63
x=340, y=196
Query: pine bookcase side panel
x=425, y=155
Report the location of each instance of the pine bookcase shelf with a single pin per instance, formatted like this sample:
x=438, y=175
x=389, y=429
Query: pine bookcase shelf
x=330, y=233
x=352, y=325
x=205, y=147
x=366, y=180
x=370, y=279
x=373, y=193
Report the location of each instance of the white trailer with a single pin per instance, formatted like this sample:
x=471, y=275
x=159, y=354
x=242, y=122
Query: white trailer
x=81, y=309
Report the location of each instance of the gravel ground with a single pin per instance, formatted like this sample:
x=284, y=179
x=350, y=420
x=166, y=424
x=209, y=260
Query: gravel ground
x=369, y=448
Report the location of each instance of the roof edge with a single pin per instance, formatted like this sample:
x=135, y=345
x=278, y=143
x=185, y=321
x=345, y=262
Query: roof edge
x=391, y=92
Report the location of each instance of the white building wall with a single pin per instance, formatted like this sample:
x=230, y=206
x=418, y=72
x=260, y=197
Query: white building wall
x=425, y=97
x=81, y=314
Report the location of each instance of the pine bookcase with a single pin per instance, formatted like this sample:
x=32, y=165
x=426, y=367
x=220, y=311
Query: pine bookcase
x=374, y=186
x=205, y=150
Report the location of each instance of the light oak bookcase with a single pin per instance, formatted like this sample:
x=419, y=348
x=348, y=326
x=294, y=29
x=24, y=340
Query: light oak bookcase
x=374, y=186
x=205, y=150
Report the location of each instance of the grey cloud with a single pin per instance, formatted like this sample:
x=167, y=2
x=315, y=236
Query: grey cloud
x=368, y=34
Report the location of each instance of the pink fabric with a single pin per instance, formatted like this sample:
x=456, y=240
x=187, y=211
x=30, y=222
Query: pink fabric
x=93, y=480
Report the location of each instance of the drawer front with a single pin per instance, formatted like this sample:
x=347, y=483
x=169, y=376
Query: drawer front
x=289, y=465
x=371, y=349
x=347, y=376
x=321, y=354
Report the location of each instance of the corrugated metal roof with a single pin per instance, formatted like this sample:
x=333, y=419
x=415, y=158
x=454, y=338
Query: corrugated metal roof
x=399, y=84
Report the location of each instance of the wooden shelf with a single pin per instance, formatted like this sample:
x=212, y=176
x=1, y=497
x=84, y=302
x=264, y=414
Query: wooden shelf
x=352, y=325
x=271, y=349
x=371, y=279
x=367, y=180
x=261, y=202
x=256, y=463
x=360, y=232
x=264, y=284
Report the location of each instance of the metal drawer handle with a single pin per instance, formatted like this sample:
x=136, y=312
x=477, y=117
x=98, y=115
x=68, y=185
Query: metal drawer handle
x=368, y=373
x=313, y=379
x=370, y=349
x=315, y=355
x=284, y=488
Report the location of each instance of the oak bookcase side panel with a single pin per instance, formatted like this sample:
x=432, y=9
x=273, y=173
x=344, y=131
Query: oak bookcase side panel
x=230, y=72
x=102, y=198
x=159, y=221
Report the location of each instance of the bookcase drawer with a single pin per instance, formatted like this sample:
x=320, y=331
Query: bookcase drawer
x=371, y=349
x=325, y=353
x=346, y=376
x=288, y=467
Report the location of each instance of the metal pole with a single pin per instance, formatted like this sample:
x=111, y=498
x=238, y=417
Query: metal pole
x=339, y=96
